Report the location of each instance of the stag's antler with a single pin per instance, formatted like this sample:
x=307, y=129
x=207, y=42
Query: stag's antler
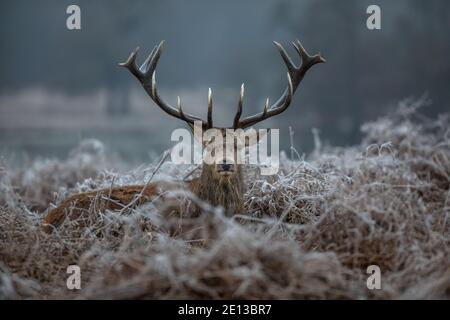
x=146, y=75
x=295, y=76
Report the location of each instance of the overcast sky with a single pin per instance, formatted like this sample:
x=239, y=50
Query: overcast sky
x=218, y=44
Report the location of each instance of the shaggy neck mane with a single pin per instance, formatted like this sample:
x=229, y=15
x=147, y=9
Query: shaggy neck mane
x=225, y=191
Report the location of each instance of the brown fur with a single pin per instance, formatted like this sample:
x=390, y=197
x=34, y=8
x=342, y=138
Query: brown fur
x=225, y=191
x=112, y=198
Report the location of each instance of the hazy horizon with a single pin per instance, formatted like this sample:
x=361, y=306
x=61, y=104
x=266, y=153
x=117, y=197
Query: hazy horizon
x=58, y=87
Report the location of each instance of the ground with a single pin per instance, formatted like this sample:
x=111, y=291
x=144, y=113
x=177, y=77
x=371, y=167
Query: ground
x=310, y=231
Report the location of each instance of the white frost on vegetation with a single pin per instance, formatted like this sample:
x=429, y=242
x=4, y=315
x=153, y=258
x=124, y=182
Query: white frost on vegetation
x=308, y=232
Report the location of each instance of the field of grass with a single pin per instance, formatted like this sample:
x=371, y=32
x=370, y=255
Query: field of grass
x=310, y=231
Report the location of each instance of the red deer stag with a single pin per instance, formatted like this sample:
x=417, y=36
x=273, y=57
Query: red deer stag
x=221, y=183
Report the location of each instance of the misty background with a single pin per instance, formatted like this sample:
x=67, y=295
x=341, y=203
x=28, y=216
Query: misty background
x=58, y=86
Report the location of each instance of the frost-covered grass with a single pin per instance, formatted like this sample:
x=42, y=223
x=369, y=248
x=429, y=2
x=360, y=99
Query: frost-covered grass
x=308, y=232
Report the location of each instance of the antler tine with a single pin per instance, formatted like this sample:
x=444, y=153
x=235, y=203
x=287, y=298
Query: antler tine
x=130, y=64
x=146, y=76
x=287, y=60
x=266, y=105
x=307, y=60
x=147, y=68
x=180, y=109
x=289, y=95
x=239, y=110
x=295, y=76
x=149, y=65
x=210, y=104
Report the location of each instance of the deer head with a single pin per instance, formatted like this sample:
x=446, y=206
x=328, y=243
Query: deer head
x=222, y=182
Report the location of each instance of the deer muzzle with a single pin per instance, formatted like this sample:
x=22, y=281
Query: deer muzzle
x=225, y=168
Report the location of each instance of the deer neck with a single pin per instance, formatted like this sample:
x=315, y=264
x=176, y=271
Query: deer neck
x=225, y=191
